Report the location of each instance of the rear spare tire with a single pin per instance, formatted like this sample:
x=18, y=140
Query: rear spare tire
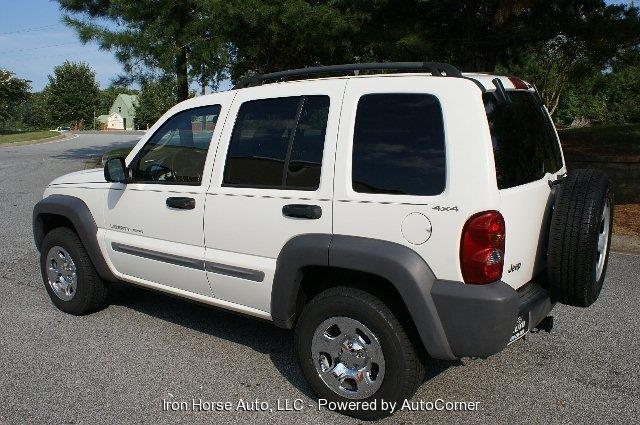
x=580, y=237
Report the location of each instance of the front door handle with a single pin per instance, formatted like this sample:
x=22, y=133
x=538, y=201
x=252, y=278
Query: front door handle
x=312, y=212
x=181, y=203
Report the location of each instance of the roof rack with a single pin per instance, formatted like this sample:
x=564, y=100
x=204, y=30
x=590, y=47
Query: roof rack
x=436, y=69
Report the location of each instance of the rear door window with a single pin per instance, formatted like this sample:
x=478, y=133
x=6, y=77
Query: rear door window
x=278, y=143
x=525, y=146
x=398, y=145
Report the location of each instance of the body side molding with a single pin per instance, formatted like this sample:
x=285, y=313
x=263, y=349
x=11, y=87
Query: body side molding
x=234, y=271
x=192, y=263
x=75, y=210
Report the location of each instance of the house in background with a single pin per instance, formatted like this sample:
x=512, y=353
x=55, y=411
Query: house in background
x=101, y=121
x=121, y=115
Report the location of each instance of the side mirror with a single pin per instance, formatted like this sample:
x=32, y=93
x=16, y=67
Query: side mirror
x=115, y=170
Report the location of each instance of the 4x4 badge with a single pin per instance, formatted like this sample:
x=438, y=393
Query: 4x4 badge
x=440, y=208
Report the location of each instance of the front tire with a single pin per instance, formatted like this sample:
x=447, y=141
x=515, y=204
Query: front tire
x=68, y=274
x=351, y=347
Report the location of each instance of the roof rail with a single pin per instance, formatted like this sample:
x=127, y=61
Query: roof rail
x=436, y=69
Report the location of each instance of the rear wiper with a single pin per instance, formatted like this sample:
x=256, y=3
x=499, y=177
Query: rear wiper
x=501, y=93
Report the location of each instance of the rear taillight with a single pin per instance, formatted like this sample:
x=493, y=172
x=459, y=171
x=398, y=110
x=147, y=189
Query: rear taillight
x=482, y=248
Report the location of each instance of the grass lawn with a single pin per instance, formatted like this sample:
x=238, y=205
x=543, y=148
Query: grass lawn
x=610, y=140
x=26, y=136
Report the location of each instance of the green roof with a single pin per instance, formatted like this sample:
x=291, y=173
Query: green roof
x=127, y=102
x=131, y=100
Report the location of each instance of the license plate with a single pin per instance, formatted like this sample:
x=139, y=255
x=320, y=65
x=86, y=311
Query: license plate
x=521, y=328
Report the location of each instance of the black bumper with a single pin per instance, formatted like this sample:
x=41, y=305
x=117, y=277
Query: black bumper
x=478, y=320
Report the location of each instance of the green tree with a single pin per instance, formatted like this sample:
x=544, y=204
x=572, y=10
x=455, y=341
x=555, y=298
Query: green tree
x=604, y=97
x=37, y=114
x=156, y=97
x=32, y=113
x=105, y=100
x=583, y=45
x=475, y=35
x=147, y=34
x=12, y=91
x=266, y=36
x=622, y=89
x=72, y=94
x=552, y=44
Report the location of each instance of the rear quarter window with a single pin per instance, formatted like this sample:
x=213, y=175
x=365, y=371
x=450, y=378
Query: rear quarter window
x=525, y=146
x=398, y=145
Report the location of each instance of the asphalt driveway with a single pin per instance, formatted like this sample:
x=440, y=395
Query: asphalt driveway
x=127, y=362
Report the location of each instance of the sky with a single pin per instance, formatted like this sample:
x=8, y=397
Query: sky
x=33, y=40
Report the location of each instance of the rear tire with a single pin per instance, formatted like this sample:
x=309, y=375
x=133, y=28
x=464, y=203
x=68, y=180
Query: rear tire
x=68, y=274
x=365, y=340
x=580, y=238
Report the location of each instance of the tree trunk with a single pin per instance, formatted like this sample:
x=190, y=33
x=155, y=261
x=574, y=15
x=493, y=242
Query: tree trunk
x=182, y=80
x=554, y=107
x=203, y=80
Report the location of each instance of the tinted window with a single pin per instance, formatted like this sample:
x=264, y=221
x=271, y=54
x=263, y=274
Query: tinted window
x=525, y=146
x=178, y=149
x=278, y=143
x=398, y=145
x=303, y=170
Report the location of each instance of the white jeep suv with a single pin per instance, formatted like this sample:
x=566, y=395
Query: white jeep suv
x=386, y=217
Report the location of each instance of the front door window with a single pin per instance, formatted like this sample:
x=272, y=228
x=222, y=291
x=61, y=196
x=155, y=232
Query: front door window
x=177, y=151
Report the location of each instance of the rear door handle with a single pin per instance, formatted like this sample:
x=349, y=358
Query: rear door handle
x=181, y=203
x=312, y=212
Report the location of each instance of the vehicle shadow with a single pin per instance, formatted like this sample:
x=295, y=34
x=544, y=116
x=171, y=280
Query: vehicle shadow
x=255, y=334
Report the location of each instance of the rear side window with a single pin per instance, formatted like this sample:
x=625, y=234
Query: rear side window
x=278, y=143
x=398, y=145
x=525, y=146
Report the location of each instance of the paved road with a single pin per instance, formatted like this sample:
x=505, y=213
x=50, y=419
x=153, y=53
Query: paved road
x=118, y=365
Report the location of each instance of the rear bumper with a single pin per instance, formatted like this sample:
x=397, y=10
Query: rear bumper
x=478, y=320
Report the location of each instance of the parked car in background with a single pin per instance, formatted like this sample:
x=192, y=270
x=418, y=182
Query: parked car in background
x=62, y=129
